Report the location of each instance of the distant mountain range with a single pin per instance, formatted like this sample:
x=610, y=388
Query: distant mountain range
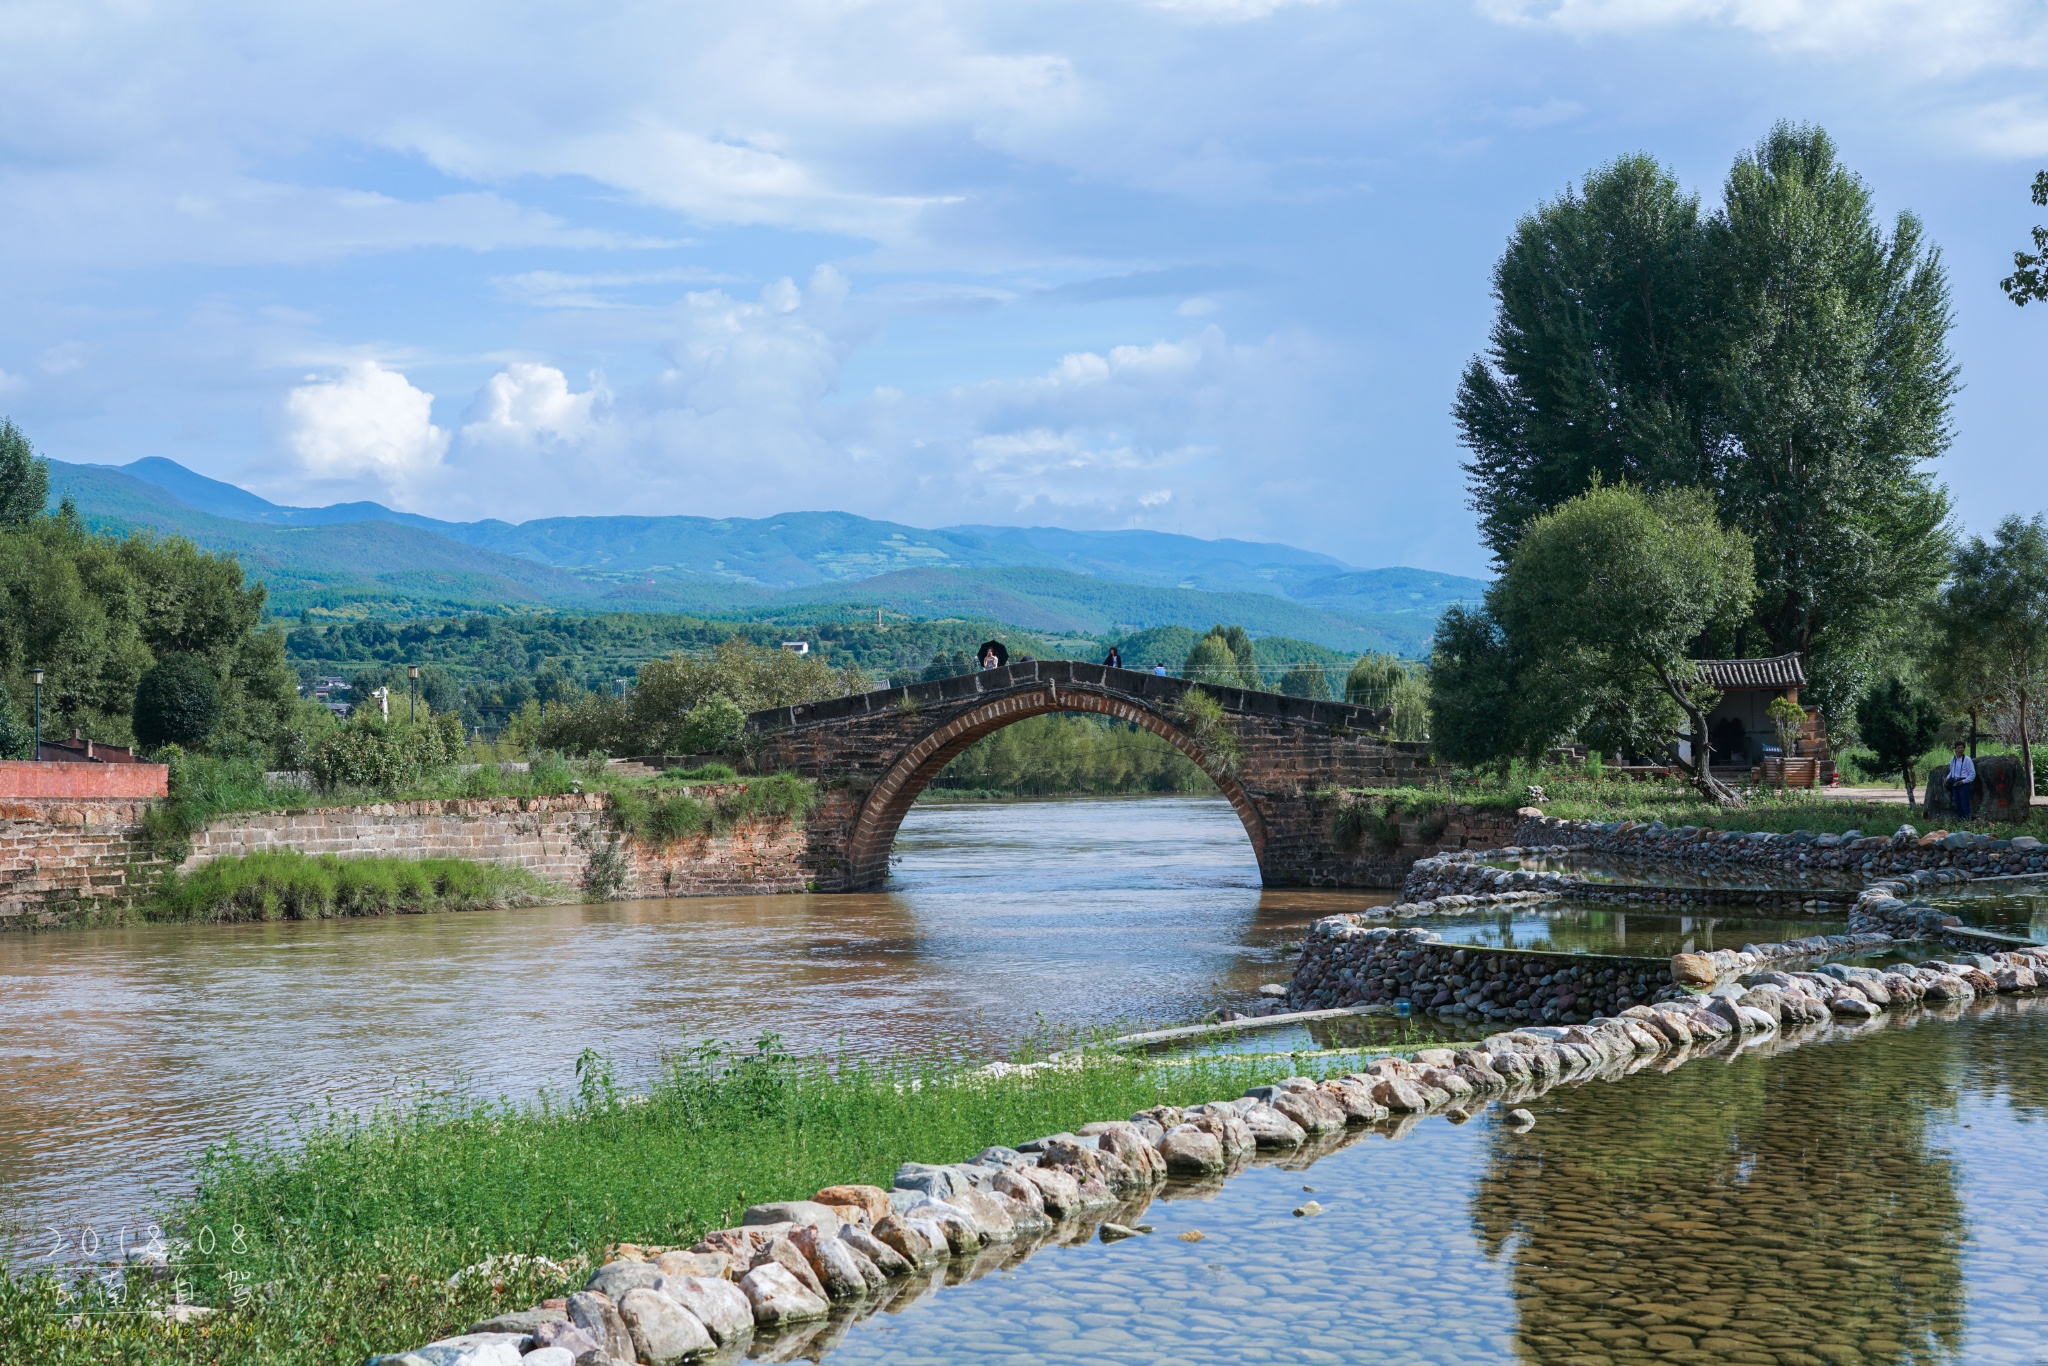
x=364, y=557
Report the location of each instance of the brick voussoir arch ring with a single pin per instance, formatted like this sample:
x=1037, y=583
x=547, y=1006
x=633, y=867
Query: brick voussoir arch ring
x=890, y=799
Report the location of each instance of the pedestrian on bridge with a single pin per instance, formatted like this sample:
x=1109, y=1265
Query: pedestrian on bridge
x=1114, y=660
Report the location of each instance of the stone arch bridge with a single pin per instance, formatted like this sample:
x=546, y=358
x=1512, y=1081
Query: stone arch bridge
x=871, y=754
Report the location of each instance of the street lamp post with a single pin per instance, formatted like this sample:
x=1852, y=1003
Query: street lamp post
x=37, y=676
x=412, y=681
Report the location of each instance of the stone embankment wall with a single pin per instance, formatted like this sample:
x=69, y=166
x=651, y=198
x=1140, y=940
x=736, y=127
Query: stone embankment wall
x=769, y=1287
x=61, y=856
x=1870, y=856
x=63, y=860
x=1425, y=835
x=566, y=840
x=1346, y=964
x=1467, y=878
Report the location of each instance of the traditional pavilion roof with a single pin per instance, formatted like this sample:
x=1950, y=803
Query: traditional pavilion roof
x=1779, y=671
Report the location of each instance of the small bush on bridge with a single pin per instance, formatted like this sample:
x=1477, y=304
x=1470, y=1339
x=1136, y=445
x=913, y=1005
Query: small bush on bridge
x=1202, y=717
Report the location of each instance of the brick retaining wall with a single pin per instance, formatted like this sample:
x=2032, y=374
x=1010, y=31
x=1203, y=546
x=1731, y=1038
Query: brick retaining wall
x=23, y=779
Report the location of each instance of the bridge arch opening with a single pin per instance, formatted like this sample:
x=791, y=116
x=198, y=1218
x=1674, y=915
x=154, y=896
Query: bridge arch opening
x=891, y=798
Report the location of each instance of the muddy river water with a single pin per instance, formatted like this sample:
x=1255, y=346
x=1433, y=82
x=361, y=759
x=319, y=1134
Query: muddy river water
x=124, y=1052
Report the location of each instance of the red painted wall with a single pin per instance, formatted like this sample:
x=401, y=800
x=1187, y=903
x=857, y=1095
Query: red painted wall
x=21, y=778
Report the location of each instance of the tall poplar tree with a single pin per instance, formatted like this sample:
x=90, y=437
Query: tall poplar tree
x=1783, y=353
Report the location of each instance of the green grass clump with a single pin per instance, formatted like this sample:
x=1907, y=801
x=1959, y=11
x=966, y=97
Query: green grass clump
x=287, y=885
x=204, y=788
x=342, y=1243
x=663, y=817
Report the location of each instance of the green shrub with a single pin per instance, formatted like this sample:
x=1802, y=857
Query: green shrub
x=713, y=726
x=205, y=786
x=677, y=817
x=288, y=885
x=371, y=753
x=662, y=818
x=17, y=737
x=1201, y=716
x=177, y=703
x=1306, y=680
x=1354, y=824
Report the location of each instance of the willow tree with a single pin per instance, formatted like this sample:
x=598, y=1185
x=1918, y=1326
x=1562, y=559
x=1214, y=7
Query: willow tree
x=1785, y=354
x=1613, y=587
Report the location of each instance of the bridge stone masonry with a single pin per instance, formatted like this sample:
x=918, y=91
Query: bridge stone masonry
x=872, y=753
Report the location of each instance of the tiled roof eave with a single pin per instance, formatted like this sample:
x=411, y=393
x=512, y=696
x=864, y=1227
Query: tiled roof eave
x=1777, y=671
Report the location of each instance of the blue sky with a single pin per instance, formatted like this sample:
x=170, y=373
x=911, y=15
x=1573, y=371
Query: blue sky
x=1208, y=266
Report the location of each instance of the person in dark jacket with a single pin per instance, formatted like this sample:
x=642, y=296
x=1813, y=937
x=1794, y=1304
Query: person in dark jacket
x=1115, y=659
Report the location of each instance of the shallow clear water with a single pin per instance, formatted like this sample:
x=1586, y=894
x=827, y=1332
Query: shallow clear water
x=2007, y=908
x=1561, y=927
x=1596, y=867
x=1870, y=1197
x=125, y=1052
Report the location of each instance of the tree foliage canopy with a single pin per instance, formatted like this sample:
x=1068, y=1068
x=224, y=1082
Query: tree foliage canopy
x=1226, y=657
x=1783, y=353
x=1305, y=680
x=1898, y=724
x=1590, y=629
x=683, y=704
x=97, y=612
x=24, y=479
x=1991, y=623
x=177, y=703
x=2029, y=278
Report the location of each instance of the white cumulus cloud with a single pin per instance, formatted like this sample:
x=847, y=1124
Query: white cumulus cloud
x=529, y=402
x=368, y=421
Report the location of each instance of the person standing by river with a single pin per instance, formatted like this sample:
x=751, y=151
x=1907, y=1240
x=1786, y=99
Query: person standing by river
x=1114, y=659
x=1962, y=774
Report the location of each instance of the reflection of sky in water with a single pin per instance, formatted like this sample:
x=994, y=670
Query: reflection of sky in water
x=1635, y=933
x=2008, y=908
x=122, y=1052
x=1873, y=1197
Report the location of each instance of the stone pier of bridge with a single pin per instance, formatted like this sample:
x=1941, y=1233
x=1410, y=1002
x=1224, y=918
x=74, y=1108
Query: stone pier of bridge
x=1276, y=758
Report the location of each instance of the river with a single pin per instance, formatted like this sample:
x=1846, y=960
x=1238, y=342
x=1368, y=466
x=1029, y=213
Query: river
x=123, y=1053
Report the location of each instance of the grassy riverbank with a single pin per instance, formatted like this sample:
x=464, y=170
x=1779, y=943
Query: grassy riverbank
x=343, y=1241
x=286, y=885
x=1574, y=794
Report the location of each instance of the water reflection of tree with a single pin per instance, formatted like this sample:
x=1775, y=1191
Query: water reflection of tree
x=1787, y=1206
x=2006, y=1059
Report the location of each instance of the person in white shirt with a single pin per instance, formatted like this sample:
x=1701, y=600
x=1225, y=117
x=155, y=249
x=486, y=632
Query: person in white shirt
x=1961, y=774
